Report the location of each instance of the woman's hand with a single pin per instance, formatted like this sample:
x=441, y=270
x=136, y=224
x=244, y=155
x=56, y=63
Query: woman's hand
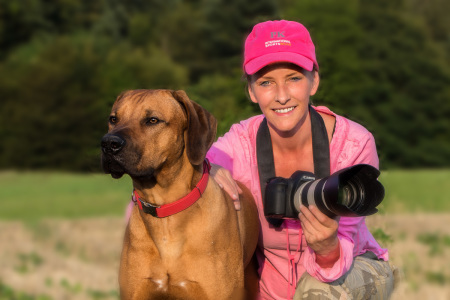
x=321, y=235
x=224, y=179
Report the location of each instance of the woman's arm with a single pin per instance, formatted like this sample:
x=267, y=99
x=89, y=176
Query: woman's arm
x=330, y=264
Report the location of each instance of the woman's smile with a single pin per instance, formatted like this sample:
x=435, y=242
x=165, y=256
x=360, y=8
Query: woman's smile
x=282, y=111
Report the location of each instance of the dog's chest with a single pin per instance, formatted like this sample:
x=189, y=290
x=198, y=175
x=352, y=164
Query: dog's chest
x=187, y=268
x=175, y=249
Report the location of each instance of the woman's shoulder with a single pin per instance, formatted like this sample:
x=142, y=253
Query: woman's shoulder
x=251, y=122
x=248, y=127
x=345, y=127
x=240, y=136
x=351, y=144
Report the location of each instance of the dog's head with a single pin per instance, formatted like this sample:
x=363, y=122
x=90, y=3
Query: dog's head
x=152, y=128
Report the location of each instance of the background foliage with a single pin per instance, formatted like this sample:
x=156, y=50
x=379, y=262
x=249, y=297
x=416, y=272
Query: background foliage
x=385, y=64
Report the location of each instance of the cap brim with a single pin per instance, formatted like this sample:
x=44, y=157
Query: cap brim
x=260, y=62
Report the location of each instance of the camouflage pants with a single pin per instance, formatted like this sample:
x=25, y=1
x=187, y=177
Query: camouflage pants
x=368, y=278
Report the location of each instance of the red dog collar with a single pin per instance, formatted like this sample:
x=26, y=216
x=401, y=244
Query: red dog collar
x=179, y=205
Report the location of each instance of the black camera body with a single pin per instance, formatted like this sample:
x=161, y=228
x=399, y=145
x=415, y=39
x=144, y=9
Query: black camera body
x=280, y=193
x=351, y=192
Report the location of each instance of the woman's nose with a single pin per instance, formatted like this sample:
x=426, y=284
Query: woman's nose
x=283, y=95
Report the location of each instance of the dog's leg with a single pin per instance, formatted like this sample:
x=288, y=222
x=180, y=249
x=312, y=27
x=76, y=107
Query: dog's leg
x=251, y=279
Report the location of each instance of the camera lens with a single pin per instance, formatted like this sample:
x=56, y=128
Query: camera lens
x=345, y=195
x=351, y=193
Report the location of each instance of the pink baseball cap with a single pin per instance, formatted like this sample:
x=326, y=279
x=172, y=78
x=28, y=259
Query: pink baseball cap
x=279, y=41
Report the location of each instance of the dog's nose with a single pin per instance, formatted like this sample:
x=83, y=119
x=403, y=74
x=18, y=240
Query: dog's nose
x=112, y=143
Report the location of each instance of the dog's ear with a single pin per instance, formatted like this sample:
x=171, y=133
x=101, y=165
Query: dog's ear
x=201, y=128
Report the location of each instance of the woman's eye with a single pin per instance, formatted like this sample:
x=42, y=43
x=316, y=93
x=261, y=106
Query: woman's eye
x=112, y=120
x=296, y=78
x=264, y=83
x=151, y=120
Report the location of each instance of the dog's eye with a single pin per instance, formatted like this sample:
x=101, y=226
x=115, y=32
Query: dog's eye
x=151, y=121
x=112, y=120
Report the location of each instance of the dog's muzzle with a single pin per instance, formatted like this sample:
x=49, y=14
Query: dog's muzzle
x=112, y=144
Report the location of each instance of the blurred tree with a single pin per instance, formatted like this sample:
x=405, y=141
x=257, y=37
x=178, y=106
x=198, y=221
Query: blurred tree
x=213, y=43
x=49, y=107
x=228, y=24
x=18, y=22
x=23, y=20
x=435, y=15
x=411, y=108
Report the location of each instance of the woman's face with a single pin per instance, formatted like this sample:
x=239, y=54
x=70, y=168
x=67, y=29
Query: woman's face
x=282, y=91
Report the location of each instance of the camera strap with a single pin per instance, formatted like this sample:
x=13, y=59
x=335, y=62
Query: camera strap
x=264, y=153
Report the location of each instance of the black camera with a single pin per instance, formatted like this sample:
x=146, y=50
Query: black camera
x=350, y=192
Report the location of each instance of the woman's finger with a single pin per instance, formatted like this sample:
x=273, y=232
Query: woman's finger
x=227, y=183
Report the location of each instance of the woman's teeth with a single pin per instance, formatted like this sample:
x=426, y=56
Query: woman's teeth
x=284, y=110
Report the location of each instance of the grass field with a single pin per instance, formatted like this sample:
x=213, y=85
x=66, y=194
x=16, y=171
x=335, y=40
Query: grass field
x=416, y=191
x=61, y=233
x=30, y=196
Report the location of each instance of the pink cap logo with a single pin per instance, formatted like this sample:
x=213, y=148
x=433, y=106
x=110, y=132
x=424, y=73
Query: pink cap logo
x=278, y=34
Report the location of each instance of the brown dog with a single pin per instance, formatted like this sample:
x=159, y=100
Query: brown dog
x=202, y=248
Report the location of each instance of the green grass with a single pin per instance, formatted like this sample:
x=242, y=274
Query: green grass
x=416, y=191
x=35, y=195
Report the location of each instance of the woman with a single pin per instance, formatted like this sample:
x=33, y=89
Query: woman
x=314, y=257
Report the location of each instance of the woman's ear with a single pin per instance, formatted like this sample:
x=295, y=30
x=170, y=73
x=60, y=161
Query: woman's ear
x=315, y=83
x=250, y=92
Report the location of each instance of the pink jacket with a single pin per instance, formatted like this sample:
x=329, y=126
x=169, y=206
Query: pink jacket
x=280, y=266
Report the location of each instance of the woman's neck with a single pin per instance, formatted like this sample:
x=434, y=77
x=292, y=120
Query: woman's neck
x=292, y=142
x=294, y=151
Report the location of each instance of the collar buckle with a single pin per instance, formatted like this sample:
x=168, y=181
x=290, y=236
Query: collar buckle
x=149, y=209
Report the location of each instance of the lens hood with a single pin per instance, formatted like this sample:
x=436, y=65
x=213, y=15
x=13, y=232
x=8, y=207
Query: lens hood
x=354, y=191
x=351, y=192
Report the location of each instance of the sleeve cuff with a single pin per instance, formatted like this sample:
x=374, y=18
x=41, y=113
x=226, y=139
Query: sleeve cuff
x=339, y=268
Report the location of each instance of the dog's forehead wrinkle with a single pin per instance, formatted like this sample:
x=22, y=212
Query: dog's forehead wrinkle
x=172, y=111
x=138, y=94
x=128, y=112
x=121, y=109
x=152, y=113
x=143, y=97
